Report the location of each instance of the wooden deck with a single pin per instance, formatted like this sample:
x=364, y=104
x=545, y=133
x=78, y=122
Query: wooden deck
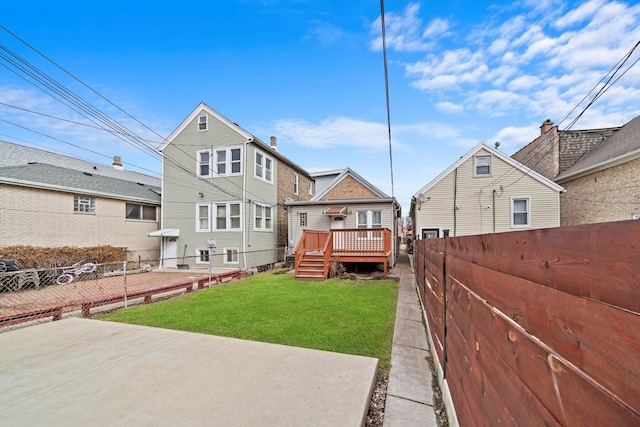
x=316, y=250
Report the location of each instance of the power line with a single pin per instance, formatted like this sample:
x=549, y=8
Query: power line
x=386, y=87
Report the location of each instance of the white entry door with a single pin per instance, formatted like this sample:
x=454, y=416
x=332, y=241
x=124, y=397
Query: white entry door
x=170, y=253
x=337, y=223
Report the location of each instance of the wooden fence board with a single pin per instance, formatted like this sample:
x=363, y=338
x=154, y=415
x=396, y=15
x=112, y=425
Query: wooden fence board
x=598, y=261
x=599, y=339
x=523, y=405
x=570, y=396
x=488, y=405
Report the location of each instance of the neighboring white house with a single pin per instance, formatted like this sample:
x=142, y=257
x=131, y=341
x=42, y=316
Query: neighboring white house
x=485, y=191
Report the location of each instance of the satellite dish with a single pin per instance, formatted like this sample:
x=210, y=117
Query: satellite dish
x=421, y=198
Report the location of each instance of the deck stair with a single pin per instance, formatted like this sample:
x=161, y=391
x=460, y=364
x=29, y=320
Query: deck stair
x=311, y=267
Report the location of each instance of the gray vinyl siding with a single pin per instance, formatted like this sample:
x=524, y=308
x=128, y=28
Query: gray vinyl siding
x=474, y=206
x=181, y=194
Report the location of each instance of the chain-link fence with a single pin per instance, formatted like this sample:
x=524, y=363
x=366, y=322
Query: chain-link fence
x=87, y=287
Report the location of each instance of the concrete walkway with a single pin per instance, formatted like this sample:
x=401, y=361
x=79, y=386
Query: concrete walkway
x=409, y=393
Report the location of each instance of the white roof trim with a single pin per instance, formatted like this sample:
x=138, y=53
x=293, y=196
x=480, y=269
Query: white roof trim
x=212, y=112
x=498, y=154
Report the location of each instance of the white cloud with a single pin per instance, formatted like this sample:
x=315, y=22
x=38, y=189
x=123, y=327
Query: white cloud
x=403, y=32
x=526, y=65
x=334, y=132
x=449, y=107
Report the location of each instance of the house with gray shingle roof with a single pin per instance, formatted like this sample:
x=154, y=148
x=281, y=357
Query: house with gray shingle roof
x=598, y=168
x=75, y=203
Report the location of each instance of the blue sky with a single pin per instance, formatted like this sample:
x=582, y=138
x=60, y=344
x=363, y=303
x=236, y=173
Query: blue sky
x=311, y=73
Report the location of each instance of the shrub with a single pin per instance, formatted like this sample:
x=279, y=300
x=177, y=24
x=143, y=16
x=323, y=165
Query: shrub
x=35, y=256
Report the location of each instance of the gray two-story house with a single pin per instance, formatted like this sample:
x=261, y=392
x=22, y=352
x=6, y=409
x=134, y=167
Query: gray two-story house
x=220, y=195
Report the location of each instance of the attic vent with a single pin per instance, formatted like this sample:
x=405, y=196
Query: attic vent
x=139, y=183
x=87, y=173
x=32, y=163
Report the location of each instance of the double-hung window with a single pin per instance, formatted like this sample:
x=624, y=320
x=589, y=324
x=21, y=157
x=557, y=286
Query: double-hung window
x=84, y=204
x=204, y=163
x=203, y=218
x=228, y=161
x=230, y=255
x=296, y=181
x=482, y=166
x=263, y=219
x=203, y=122
x=202, y=256
x=369, y=219
x=520, y=212
x=264, y=167
x=227, y=216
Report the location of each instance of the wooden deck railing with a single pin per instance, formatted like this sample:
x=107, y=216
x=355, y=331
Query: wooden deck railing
x=374, y=241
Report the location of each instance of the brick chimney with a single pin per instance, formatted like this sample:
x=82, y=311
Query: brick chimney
x=546, y=126
x=117, y=163
x=274, y=143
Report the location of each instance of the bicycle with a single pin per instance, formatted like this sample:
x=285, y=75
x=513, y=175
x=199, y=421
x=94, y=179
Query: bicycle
x=81, y=267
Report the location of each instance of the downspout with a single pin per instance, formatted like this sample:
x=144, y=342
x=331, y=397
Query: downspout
x=455, y=201
x=245, y=232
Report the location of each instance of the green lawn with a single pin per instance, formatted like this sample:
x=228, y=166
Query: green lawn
x=335, y=315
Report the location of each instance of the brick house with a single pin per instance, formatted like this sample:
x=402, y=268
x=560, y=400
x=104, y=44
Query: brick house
x=346, y=205
x=51, y=200
x=599, y=169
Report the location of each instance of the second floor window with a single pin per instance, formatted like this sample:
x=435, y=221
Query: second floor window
x=264, y=167
x=204, y=163
x=227, y=216
x=263, y=218
x=202, y=218
x=295, y=183
x=229, y=161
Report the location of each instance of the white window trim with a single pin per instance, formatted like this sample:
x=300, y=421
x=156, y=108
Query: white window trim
x=311, y=188
x=224, y=258
x=296, y=182
x=198, y=258
x=199, y=163
x=214, y=217
x=264, y=166
x=369, y=224
x=209, y=222
x=475, y=166
x=206, y=122
x=91, y=202
x=528, y=224
x=228, y=162
x=255, y=215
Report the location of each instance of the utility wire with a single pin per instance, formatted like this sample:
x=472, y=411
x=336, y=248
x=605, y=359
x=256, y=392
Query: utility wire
x=386, y=87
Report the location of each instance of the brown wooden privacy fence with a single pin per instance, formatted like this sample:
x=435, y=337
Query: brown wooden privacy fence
x=538, y=327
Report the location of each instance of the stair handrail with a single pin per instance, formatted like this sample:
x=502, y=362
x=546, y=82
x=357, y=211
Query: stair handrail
x=327, y=252
x=299, y=250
